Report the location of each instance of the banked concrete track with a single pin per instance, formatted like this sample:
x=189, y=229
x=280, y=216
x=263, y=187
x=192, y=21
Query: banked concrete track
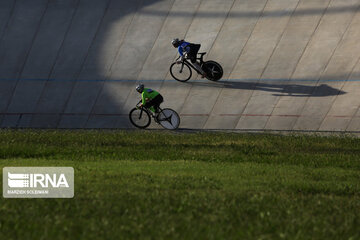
x=289, y=64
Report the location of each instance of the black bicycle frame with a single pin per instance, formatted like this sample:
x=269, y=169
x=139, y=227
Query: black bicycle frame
x=191, y=65
x=146, y=109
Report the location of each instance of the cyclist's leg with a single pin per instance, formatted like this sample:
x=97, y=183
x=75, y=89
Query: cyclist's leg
x=192, y=57
x=193, y=54
x=195, y=48
x=149, y=105
x=158, y=100
x=197, y=66
x=154, y=103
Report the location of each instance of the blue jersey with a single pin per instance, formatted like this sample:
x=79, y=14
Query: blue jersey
x=184, y=48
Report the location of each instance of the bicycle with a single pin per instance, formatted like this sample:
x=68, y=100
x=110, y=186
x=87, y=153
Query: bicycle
x=182, y=71
x=140, y=117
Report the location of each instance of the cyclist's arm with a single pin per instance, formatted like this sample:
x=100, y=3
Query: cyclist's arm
x=143, y=98
x=180, y=51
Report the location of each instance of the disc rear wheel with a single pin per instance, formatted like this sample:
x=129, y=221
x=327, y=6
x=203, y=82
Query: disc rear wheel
x=213, y=70
x=169, y=119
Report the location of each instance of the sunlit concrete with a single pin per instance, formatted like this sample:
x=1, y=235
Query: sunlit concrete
x=288, y=64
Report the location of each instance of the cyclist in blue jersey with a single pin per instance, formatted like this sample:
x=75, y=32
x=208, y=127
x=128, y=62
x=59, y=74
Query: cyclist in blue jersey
x=191, y=50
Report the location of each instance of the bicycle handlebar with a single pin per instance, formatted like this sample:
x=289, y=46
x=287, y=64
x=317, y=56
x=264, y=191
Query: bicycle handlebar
x=137, y=105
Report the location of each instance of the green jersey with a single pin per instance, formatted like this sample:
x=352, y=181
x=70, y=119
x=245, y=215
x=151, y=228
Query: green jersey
x=148, y=94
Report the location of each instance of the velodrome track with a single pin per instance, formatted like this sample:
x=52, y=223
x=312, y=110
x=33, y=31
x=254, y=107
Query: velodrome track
x=288, y=64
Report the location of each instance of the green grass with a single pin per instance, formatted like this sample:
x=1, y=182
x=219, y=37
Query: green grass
x=160, y=185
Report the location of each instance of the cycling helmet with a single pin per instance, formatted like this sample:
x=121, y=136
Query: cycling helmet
x=140, y=88
x=176, y=42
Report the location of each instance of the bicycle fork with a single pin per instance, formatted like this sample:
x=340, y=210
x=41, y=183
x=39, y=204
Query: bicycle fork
x=141, y=112
x=182, y=67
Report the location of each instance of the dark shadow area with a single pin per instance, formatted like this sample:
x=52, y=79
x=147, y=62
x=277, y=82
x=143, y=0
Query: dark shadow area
x=50, y=47
x=293, y=90
x=265, y=14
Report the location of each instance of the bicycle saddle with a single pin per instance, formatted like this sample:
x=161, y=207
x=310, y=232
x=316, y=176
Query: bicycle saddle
x=202, y=53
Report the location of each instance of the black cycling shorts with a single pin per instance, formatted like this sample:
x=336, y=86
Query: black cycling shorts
x=155, y=102
x=194, y=49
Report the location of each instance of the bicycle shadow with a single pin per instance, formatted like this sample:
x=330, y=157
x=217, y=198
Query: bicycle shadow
x=282, y=89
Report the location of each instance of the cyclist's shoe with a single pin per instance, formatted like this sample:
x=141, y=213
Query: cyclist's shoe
x=156, y=119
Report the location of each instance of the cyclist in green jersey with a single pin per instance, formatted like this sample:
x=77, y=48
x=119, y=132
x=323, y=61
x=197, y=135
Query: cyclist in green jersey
x=151, y=99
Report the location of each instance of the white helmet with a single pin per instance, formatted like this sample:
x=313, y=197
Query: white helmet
x=140, y=88
x=176, y=42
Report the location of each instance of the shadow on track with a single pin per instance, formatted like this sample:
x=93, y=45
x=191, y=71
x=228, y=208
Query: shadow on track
x=288, y=89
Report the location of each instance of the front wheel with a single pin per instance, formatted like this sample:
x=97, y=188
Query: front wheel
x=180, y=71
x=139, y=118
x=213, y=70
x=169, y=119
